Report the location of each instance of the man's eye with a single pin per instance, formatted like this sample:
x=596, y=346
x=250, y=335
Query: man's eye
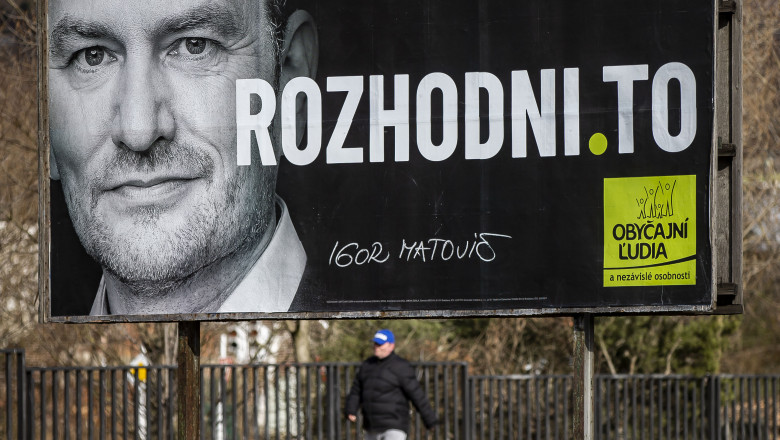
x=192, y=46
x=94, y=56
x=92, y=59
x=195, y=46
x=194, y=53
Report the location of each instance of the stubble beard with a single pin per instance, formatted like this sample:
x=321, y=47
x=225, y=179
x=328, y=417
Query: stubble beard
x=150, y=257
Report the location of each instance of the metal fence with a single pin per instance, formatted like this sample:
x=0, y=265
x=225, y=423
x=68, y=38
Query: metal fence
x=12, y=392
x=628, y=407
x=103, y=402
x=521, y=407
x=722, y=407
x=305, y=401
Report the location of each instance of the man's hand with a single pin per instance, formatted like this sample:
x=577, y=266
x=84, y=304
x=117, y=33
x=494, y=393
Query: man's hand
x=352, y=417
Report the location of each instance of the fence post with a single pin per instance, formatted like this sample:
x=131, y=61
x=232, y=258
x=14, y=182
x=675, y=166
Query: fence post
x=332, y=399
x=468, y=409
x=714, y=407
x=21, y=395
x=30, y=404
x=188, y=403
x=582, y=426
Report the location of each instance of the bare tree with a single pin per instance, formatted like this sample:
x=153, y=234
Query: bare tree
x=18, y=174
x=756, y=346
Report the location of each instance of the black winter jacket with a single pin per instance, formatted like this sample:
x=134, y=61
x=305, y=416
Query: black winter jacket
x=384, y=387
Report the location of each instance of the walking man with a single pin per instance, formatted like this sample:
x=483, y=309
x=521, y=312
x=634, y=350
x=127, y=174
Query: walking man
x=383, y=387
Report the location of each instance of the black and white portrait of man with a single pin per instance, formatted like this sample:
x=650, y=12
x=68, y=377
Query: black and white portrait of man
x=142, y=124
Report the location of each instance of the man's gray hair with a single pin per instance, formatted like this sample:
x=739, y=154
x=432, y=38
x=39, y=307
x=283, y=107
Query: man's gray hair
x=277, y=16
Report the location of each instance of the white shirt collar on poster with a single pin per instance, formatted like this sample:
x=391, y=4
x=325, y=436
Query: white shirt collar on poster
x=270, y=285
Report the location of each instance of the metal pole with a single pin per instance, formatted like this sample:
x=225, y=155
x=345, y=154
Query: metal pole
x=582, y=428
x=21, y=383
x=188, y=403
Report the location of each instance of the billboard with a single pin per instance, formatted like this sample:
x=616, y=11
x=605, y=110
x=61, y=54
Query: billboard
x=239, y=160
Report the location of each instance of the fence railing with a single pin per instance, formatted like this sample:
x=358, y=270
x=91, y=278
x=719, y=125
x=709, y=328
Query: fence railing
x=101, y=402
x=521, y=407
x=305, y=401
x=12, y=392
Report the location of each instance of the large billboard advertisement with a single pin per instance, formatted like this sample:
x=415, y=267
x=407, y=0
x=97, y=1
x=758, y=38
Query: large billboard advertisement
x=238, y=159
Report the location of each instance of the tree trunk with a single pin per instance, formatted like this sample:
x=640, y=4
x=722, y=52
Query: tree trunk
x=300, y=333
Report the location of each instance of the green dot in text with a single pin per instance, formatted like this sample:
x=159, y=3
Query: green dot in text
x=598, y=144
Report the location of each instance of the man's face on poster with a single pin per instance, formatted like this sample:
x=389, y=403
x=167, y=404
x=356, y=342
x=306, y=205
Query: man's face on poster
x=142, y=126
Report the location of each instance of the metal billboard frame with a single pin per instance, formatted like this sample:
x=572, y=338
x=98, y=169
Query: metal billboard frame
x=725, y=208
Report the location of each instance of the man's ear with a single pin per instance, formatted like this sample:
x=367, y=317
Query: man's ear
x=54, y=172
x=300, y=53
x=300, y=56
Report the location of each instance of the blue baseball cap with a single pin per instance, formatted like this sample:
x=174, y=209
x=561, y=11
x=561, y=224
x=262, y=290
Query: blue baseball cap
x=383, y=336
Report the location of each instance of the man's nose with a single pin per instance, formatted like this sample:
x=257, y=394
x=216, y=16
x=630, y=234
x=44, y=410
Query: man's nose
x=142, y=113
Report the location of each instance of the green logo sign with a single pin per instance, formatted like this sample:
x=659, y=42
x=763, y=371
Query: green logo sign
x=650, y=231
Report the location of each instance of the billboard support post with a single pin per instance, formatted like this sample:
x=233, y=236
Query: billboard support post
x=582, y=428
x=188, y=403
